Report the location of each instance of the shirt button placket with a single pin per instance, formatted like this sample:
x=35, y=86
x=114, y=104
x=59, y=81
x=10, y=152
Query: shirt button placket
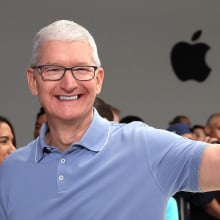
x=61, y=174
x=63, y=160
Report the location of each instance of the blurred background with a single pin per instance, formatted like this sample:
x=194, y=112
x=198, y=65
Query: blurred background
x=134, y=39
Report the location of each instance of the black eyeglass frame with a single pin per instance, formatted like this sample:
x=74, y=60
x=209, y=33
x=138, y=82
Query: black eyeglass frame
x=64, y=71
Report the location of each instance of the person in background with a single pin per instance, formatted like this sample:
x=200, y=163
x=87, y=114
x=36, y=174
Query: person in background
x=199, y=131
x=172, y=209
x=130, y=118
x=183, y=130
x=116, y=113
x=7, y=138
x=212, y=127
x=103, y=109
x=83, y=166
x=40, y=119
x=180, y=119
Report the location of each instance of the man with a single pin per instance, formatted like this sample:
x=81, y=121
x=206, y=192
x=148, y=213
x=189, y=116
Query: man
x=206, y=206
x=83, y=166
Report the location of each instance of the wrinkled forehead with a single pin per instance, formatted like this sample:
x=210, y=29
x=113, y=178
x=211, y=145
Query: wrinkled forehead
x=65, y=53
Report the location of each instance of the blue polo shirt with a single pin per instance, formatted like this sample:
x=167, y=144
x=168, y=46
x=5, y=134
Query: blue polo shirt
x=115, y=172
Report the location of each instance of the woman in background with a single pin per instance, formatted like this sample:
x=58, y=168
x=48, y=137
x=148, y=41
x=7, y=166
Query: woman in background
x=7, y=138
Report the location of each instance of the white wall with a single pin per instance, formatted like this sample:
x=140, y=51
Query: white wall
x=134, y=40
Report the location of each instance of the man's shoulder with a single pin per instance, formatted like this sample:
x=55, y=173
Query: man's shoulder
x=135, y=132
x=130, y=126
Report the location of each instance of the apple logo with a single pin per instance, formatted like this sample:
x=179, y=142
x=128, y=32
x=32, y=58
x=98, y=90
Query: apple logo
x=188, y=59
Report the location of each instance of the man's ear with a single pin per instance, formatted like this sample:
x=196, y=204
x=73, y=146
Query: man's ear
x=99, y=80
x=32, y=84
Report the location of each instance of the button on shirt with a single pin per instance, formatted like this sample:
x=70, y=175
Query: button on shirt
x=115, y=172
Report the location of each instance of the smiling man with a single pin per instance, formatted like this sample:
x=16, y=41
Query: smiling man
x=67, y=94
x=82, y=166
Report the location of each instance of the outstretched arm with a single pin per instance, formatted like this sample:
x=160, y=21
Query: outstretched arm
x=209, y=178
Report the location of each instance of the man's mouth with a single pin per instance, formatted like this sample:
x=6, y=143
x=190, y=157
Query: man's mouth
x=68, y=98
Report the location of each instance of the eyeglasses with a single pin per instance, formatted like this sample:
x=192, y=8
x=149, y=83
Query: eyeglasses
x=55, y=73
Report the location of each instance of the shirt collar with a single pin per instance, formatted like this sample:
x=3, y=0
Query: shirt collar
x=94, y=139
x=97, y=134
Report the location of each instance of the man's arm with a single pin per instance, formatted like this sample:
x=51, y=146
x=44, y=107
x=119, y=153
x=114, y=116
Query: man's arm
x=209, y=177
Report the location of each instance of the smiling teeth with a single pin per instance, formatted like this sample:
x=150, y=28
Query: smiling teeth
x=69, y=97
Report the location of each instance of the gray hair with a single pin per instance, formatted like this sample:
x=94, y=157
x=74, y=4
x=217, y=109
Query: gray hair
x=63, y=30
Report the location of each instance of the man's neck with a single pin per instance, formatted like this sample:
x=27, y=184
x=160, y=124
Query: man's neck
x=63, y=135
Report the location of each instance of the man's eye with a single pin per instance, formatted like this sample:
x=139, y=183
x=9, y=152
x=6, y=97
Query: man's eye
x=52, y=70
x=83, y=70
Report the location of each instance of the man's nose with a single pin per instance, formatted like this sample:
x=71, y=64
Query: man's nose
x=68, y=82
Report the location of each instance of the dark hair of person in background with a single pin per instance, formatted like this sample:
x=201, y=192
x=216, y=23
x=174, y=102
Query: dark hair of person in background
x=6, y=120
x=199, y=131
x=180, y=119
x=41, y=112
x=116, y=112
x=130, y=118
x=40, y=118
x=103, y=109
x=197, y=126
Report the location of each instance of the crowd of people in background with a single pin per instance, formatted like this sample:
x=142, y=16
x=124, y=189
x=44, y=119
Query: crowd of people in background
x=194, y=206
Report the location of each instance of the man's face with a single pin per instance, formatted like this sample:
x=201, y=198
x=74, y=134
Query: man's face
x=68, y=98
x=213, y=130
